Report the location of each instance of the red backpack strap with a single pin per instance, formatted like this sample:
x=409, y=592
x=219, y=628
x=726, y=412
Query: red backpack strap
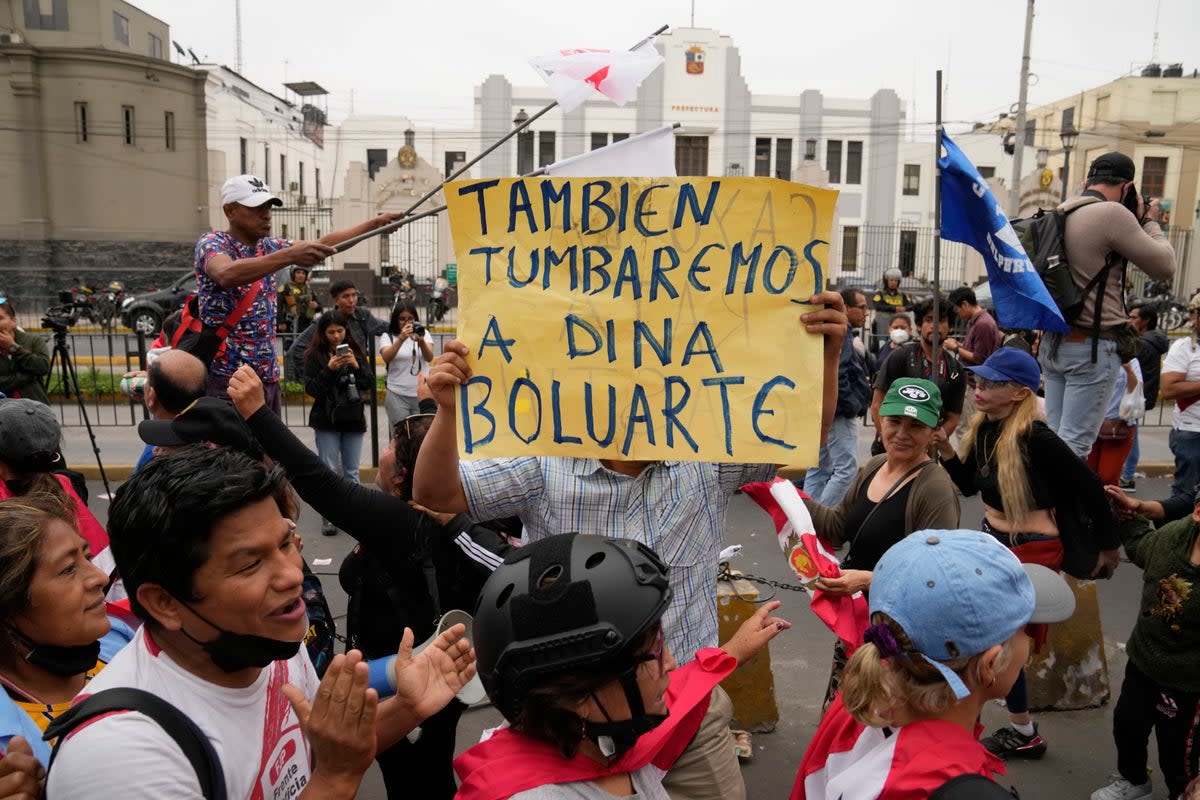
x=226, y=327
x=189, y=314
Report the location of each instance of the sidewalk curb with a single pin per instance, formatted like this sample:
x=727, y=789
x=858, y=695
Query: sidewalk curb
x=121, y=472
x=1152, y=469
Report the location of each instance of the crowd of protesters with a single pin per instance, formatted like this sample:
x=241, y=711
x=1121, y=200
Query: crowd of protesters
x=186, y=650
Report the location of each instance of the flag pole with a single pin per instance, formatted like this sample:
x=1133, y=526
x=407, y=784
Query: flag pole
x=353, y=240
x=937, y=233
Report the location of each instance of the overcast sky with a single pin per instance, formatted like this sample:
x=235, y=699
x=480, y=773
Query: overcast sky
x=423, y=59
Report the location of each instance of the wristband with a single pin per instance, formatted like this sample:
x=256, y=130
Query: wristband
x=381, y=675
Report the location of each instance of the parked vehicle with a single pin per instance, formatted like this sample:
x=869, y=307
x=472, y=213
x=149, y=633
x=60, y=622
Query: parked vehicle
x=145, y=312
x=441, y=299
x=99, y=307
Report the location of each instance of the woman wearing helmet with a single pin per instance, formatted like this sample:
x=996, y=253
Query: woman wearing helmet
x=570, y=648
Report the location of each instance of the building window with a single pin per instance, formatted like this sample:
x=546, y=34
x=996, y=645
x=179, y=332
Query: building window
x=524, y=152
x=37, y=18
x=127, y=117
x=243, y=156
x=376, y=158
x=854, y=162
x=169, y=129
x=599, y=140
x=833, y=160
x=155, y=46
x=908, y=252
x=267, y=164
x=1068, y=118
x=783, y=159
x=81, y=122
x=545, y=148
x=691, y=155
x=619, y=137
x=762, y=158
x=987, y=173
x=850, y=248
x=1031, y=133
x=454, y=160
x=301, y=169
x=283, y=184
x=1154, y=176
x=317, y=183
x=912, y=180
x=120, y=28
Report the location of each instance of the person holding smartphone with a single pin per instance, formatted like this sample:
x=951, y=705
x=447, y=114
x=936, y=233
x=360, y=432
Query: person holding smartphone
x=407, y=350
x=336, y=373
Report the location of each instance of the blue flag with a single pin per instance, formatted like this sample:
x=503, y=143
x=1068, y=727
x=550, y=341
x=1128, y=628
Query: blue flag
x=971, y=215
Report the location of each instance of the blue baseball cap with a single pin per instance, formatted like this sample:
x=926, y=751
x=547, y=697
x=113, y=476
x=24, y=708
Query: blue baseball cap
x=957, y=593
x=1010, y=364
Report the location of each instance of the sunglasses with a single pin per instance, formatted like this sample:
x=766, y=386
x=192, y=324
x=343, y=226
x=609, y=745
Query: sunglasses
x=984, y=383
x=657, y=653
x=405, y=424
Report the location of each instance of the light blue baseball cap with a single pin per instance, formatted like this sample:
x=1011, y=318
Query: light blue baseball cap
x=957, y=593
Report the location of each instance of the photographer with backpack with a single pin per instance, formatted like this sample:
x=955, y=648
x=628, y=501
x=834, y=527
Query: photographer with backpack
x=1110, y=225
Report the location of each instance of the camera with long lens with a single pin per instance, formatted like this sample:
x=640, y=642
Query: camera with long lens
x=62, y=316
x=345, y=379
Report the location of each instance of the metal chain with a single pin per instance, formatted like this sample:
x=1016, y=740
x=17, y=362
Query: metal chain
x=724, y=573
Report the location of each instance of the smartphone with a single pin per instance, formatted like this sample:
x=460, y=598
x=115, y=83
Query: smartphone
x=341, y=350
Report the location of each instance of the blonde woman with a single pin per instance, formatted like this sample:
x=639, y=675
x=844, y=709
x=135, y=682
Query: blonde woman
x=1030, y=482
x=950, y=614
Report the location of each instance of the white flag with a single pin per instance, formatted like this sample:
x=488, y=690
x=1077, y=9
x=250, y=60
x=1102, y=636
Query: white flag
x=645, y=155
x=573, y=75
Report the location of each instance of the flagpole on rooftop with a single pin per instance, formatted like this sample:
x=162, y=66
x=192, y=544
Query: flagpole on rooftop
x=348, y=243
x=937, y=232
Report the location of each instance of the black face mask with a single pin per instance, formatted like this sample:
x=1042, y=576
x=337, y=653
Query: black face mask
x=615, y=739
x=60, y=660
x=234, y=652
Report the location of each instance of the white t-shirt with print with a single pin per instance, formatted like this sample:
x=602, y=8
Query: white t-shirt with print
x=402, y=370
x=1184, y=356
x=254, y=732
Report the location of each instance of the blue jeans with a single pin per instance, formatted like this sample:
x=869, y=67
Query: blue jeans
x=1185, y=445
x=1134, y=454
x=332, y=445
x=1077, y=391
x=829, y=480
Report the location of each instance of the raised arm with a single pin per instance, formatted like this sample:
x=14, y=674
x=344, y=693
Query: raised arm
x=436, y=481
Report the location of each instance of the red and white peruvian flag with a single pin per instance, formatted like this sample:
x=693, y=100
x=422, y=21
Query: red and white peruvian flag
x=573, y=75
x=811, y=559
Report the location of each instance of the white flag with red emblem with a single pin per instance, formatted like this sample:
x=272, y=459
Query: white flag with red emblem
x=811, y=559
x=573, y=75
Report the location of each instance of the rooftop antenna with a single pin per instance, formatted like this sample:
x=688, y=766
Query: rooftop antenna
x=237, y=32
x=1154, y=47
x=195, y=58
x=179, y=49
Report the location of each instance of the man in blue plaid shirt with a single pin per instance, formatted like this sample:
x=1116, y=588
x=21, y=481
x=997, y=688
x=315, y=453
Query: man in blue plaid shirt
x=677, y=508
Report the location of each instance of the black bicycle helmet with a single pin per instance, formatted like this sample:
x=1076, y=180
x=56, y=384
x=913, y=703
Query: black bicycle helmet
x=565, y=602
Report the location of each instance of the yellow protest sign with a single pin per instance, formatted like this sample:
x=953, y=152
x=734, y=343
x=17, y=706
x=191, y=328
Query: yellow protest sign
x=640, y=318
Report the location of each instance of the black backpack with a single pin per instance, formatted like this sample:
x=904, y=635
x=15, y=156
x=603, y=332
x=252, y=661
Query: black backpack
x=1044, y=238
x=191, y=740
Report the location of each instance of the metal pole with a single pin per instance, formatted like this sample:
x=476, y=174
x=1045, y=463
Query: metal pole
x=1066, y=181
x=1014, y=191
x=343, y=246
x=937, y=233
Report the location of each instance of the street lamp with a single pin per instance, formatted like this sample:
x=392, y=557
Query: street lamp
x=1069, y=136
x=524, y=144
x=1043, y=156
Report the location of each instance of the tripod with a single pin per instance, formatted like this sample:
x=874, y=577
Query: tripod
x=61, y=355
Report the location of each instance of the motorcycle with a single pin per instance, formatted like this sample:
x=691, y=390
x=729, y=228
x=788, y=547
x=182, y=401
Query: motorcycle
x=101, y=308
x=441, y=299
x=403, y=288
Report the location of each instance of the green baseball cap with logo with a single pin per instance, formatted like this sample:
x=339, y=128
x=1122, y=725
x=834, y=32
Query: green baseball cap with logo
x=913, y=397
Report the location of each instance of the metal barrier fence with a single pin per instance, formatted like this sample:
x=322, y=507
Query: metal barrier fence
x=99, y=361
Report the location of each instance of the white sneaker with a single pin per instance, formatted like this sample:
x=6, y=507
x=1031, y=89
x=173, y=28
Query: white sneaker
x=1121, y=789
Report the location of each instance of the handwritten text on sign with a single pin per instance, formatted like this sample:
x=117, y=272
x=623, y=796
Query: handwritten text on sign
x=640, y=318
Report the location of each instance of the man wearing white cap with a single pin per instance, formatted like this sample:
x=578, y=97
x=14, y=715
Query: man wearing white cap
x=235, y=279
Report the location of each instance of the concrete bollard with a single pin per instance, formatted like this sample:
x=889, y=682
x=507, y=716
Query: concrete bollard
x=752, y=686
x=1071, y=672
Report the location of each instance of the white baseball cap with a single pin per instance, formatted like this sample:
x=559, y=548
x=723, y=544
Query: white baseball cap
x=247, y=190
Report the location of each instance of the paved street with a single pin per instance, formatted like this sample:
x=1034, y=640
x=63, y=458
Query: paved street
x=1081, y=752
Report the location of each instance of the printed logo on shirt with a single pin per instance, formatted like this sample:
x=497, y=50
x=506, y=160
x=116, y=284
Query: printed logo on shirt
x=914, y=394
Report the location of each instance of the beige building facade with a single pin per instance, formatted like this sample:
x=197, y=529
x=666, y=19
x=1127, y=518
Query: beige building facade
x=105, y=164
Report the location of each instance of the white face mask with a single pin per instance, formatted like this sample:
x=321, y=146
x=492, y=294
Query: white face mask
x=898, y=335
